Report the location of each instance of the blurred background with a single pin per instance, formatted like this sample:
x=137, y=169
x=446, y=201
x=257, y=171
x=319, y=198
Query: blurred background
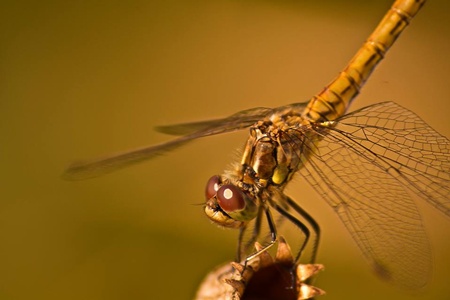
x=86, y=78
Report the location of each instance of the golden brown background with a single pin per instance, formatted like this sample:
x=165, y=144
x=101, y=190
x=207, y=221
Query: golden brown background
x=86, y=78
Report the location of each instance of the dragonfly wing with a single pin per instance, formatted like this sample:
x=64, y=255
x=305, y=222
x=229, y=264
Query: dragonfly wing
x=362, y=168
x=89, y=169
x=236, y=121
x=415, y=153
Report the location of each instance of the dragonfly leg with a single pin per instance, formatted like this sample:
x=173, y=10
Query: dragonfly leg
x=304, y=229
x=242, y=249
x=273, y=234
x=315, y=227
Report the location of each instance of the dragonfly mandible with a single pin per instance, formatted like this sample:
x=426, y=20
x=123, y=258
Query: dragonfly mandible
x=362, y=163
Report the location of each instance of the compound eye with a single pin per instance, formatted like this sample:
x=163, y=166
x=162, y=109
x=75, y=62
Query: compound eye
x=212, y=186
x=230, y=198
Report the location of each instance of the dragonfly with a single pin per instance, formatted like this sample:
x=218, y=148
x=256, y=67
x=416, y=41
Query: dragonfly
x=366, y=164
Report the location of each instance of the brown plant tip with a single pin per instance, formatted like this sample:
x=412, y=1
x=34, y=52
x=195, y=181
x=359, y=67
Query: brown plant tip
x=263, y=277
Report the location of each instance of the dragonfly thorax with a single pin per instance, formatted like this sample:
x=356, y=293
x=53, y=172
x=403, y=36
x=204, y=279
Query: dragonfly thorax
x=273, y=152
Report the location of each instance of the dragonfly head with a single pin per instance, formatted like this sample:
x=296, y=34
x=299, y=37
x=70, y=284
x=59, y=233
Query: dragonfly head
x=228, y=205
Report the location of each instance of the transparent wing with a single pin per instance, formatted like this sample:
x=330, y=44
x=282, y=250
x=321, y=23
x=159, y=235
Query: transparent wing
x=239, y=120
x=94, y=168
x=362, y=167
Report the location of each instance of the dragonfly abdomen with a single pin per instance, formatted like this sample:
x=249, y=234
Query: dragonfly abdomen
x=332, y=102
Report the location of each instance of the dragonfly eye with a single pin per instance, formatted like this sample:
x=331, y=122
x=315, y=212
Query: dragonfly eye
x=212, y=187
x=231, y=198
